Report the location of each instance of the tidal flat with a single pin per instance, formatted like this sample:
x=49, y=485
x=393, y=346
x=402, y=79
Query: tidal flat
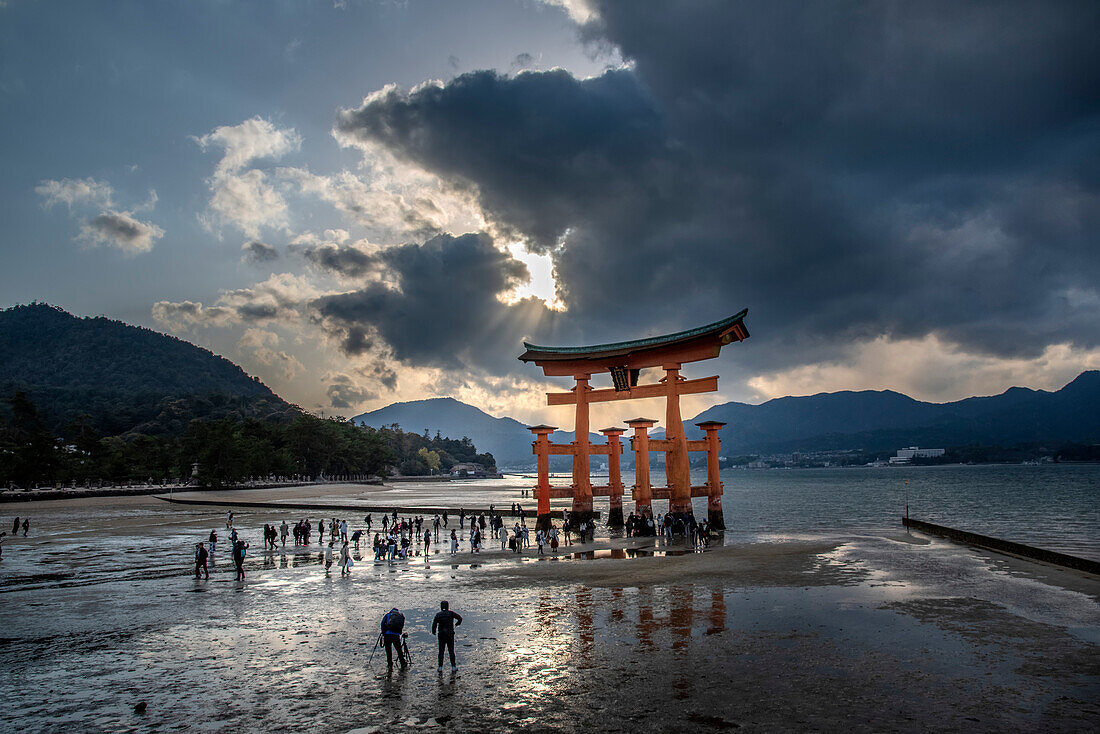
x=857, y=631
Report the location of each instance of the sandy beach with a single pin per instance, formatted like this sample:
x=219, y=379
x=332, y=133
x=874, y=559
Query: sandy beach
x=884, y=631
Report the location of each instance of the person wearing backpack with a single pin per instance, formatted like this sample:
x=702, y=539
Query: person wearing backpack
x=393, y=622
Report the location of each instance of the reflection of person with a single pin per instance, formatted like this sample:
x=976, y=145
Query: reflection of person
x=392, y=624
x=443, y=626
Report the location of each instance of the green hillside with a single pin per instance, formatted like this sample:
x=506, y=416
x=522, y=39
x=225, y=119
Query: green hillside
x=91, y=399
x=118, y=379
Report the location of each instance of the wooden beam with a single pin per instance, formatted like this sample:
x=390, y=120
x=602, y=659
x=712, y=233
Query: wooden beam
x=664, y=493
x=656, y=390
x=602, y=490
x=568, y=449
x=663, y=444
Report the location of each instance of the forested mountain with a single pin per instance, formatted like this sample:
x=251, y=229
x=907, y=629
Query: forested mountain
x=117, y=379
x=91, y=399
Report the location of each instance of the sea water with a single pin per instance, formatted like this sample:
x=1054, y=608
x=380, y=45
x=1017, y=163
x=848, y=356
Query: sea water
x=99, y=613
x=1054, y=506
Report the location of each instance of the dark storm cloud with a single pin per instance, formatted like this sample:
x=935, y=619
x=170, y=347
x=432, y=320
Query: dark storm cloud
x=846, y=171
x=121, y=230
x=257, y=311
x=444, y=310
x=257, y=252
x=342, y=260
x=544, y=149
x=343, y=394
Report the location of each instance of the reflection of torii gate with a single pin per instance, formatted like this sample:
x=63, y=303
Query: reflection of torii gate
x=624, y=361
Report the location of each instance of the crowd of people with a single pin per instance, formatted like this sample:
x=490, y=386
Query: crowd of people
x=401, y=538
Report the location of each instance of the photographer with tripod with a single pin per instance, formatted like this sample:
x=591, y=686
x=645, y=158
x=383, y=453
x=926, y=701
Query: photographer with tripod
x=393, y=622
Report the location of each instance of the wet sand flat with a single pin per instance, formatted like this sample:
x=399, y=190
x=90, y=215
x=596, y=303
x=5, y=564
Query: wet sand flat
x=865, y=632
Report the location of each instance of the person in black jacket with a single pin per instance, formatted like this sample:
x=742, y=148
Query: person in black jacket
x=443, y=626
x=201, y=556
x=392, y=624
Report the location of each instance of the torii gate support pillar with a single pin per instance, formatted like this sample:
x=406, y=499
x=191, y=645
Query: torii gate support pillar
x=542, y=489
x=714, y=484
x=614, y=479
x=643, y=490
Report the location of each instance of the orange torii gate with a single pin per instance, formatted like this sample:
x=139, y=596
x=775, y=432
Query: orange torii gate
x=625, y=361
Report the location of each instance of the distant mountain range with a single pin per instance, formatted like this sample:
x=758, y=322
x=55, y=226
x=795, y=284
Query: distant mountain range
x=118, y=378
x=506, y=439
x=871, y=421
x=884, y=420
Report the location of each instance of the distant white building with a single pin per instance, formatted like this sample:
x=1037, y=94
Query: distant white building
x=904, y=456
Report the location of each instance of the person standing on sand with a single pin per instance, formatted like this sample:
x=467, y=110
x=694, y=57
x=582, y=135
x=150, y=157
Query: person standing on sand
x=239, y=549
x=283, y=532
x=443, y=627
x=427, y=542
x=201, y=557
x=345, y=560
x=328, y=556
x=454, y=541
x=26, y=525
x=15, y=527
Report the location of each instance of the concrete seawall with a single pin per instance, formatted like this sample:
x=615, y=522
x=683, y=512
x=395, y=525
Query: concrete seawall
x=1005, y=546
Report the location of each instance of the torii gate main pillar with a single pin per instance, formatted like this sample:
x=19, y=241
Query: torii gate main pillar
x=676, y=458
x=582, y=482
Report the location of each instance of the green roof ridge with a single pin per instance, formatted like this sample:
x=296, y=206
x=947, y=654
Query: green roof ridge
x=649, y=341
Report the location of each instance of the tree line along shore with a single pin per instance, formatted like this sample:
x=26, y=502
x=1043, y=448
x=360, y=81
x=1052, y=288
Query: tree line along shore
x=215, y=453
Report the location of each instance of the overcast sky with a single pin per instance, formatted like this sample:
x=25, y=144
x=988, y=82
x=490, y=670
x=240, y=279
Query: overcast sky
x=367, y=201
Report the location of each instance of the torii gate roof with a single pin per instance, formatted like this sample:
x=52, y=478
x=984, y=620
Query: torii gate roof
x=692, y=345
